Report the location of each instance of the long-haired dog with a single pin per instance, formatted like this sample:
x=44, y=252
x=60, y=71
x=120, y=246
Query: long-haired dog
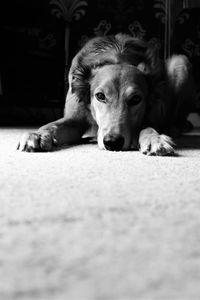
x=119, y=88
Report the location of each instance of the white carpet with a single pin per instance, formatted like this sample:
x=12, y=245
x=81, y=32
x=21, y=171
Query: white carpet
x=86, y=224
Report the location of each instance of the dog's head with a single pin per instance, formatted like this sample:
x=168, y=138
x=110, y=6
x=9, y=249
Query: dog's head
x=118, y=101
x=113, y=75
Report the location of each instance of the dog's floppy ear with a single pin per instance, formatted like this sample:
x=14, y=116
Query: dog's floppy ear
x=144, y=68
x=96, y=52
x=154, y=64
x=151, y=64
x=80, y=81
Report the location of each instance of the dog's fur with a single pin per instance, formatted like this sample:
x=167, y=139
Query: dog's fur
x=119, y=88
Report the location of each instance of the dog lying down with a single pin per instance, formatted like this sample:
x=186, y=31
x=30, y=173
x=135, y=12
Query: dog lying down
x=120, y=90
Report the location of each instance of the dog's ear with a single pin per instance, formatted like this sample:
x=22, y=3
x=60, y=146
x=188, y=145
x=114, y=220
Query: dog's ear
x=153, y=60
x=150, y=64
x=153, y=67
x=80, y=82
x=144, y=68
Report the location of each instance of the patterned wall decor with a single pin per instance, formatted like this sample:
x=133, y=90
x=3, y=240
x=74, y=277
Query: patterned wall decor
x=153, y=20
x=68, y=10
x=136, y=17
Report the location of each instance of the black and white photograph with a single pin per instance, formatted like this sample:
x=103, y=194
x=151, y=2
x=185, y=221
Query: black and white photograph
x=100, y=150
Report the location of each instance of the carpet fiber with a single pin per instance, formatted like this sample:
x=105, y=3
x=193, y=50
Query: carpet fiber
x=86, y=224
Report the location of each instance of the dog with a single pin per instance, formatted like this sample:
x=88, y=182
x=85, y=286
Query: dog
x=125, y=94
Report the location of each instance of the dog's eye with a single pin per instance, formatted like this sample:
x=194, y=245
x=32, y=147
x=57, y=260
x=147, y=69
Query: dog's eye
x=100, y=97
x=135, y=99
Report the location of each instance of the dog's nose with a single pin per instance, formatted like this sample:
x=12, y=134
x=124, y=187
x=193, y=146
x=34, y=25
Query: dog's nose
x=113, y=142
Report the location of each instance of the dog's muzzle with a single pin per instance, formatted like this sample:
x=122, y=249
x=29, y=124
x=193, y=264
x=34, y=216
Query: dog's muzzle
x=113, y=142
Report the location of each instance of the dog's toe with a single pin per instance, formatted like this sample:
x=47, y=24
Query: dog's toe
x=160, y=145
x=29, y=142
x=163, y=146
x=35, y=142
x=145, y=149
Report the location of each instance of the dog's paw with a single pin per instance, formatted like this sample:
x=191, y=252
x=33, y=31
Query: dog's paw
x=37, y=142
x=156, y=145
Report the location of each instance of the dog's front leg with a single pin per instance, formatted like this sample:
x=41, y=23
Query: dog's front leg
x=153, y=143
x=52, y=135
x=67, y=130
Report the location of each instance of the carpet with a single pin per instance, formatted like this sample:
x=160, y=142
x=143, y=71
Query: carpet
x=86, y=224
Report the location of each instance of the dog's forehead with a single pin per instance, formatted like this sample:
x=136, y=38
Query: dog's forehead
x=119, y=75
x=119, y=81
x=131, y=74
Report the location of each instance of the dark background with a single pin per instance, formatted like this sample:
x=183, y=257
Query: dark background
x=33, y=64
